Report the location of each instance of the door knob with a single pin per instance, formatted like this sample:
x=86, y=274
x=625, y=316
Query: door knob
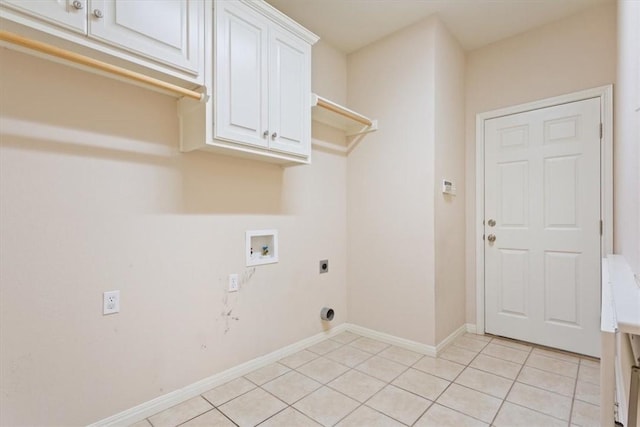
x=274, y=135
x=491, y=238
x=77, y=4
x=265, y=134
x=97, y=13
x=492, y=223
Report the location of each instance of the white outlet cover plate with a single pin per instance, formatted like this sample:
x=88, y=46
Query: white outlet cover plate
x=233, y=283
x=111, y=302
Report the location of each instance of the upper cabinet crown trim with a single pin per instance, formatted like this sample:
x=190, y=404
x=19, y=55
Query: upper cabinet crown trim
x=283, y=20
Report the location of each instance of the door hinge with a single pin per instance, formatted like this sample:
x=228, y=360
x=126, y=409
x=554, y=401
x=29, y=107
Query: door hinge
x=483, y=237
x=601, y=227
x=601, y=131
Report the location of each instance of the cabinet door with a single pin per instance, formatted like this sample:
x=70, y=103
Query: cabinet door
x=289, y=93
x=168, y=31
x=62, y=13
x=240, y=88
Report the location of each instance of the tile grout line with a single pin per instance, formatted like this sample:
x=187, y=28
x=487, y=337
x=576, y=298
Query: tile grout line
x=386, y=383
x=286, y=403
x=452, y=382
x=543, y=389
x=539, y=412
x=257, y=386
x=206, y=412
x=371, y=355
x=546, y=389
x=515, y=379
x=390, y=383
x=575, y=388
x=482, y=370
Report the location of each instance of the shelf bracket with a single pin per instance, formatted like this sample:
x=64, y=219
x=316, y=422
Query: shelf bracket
x=338, y=116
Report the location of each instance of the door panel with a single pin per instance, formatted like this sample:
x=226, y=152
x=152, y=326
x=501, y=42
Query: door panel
x=167, y=31
x=289, y=94
x=561, y=182
x=241, y=113
x=59, y=12
x=513, y=195
x=514, y=282
x=515, y=136
x=542, y=188
x=562, y=287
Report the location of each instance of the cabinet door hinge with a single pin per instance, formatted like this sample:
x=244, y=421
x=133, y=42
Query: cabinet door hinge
x=601, y=227
x=601, y=131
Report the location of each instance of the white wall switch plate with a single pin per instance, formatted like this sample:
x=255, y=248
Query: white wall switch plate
x=111, y=302
x=234, y=284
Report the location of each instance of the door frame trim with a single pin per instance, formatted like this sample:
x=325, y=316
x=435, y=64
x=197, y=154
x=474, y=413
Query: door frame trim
x=605, y=93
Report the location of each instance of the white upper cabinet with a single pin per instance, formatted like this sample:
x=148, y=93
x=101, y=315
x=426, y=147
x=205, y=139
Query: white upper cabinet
x=167, y=30
x=289, y=93
x=67, y=13
x=261, y=97
x=241, y=75
x=165, y=36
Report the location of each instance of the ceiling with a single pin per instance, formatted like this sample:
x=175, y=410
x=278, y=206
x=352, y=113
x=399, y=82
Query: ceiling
x=349, y=25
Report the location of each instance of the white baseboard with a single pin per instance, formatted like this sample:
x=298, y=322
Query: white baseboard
x=429, y=350
x=442, y=345
x=159, y=404
x=471, y=328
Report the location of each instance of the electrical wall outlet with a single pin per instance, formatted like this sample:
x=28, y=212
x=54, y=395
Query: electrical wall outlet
x=111, y=302
x=234, y=284
x=324, y=266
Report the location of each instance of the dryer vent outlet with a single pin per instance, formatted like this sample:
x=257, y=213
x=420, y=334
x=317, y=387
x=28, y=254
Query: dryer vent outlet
x=327, y=314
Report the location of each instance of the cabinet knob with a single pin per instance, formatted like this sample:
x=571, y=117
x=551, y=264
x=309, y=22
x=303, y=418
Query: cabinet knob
x=77, y=4
x=274, y=135
x=97, y=13
x=265, y=134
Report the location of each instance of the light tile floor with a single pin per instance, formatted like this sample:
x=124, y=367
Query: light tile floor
x=350, y=380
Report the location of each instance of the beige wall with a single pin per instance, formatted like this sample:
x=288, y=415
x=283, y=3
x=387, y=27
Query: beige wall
x=390, y=186
x=95, y=196
x=449, y=163
x=329, y=75
x=569, y=55
x=406, y=275
x=329, y=72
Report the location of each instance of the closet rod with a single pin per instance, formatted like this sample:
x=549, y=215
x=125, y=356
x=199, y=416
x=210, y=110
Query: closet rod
x=98, y=65
x=331, y=107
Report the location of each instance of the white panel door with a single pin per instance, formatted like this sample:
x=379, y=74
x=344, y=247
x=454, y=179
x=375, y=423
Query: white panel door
x=59, y=12
x=167, y=31
x=289, y=93
x=241, y=81
x=542, y=189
